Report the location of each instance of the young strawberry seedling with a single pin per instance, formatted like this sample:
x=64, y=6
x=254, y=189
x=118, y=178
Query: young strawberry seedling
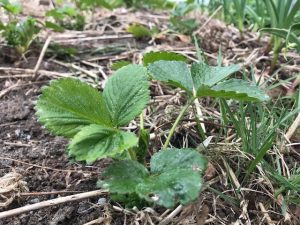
x=18, y=33
x=93, y=122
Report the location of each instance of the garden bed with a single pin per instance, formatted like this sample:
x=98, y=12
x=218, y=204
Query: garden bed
x=37, y=162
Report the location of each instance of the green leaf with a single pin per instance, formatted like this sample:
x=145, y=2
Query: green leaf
x=68, y=104
x=175, y=177
x=143, y=144
x=152, y=57
x=127, y=93
x=170, y=159
x=124, y=176
x=175, y=73
x=119, y=64
x=171, y=187
x=205, y=80
x=286, y=34
x=54, y=26
x=21, y=34
x=96, y=142
x=139, y=31
x=13, y=8
x=210, y=75
x=234, y=89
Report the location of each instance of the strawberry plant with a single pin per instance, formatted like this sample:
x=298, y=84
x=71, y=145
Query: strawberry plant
x=65, y=17
x=90, y=4
x=93, y=122
x=18, y=33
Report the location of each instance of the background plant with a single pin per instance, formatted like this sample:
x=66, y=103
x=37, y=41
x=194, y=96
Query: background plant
x=282, y=16
x=18, y=33
x=65, y=17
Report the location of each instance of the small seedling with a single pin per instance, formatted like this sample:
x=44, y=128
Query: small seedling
x=20, y=34
x=282, y=14
x=65, y=17
x=93, y=122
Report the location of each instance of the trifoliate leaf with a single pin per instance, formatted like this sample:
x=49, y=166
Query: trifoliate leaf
x=124, y=176
x=204, y=74
x=205, y=80
x=127, y=93
x=171, y=158
x=68, y=104
x=175, y=73
x=171, y=187
x=234, y=89
x=96, y=142
x=176, y=180
x=152, y=57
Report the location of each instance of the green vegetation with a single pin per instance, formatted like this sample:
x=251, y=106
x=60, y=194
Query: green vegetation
x=18, y=33
x=93, y=122
x=96, y=122
x=65, y=17
x=279, y=18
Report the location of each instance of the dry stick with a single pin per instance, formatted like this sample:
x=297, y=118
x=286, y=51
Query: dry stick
x=15, y=76
x=12, y=87
x=47, y=193
x=30, y=71
x=73, y=66
x=98, y=38
x=209, y=19
x=48, y=168
x=171, y=215
x=89, y=73
x=38, y=64
x=293, y=128
x=16, y=86
x=52, y=202
x=96, y=221
x=265, y=212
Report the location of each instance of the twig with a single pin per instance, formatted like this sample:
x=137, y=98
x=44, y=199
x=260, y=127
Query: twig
x=73, y=66
x=89, y=73
x=209, y=19
x=293, y=128
x=171, y=215
x=52, y=202
x=48, y=168
x=98, y=38
x=16, y=86
x=31, y=71
x=96, y=221
x=12, y=87
x=16, y=144
x=264, y=211
x=47, y=193
x=38, y=64
x=8, y=124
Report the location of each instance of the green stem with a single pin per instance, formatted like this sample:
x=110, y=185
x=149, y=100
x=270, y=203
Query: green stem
x=181, y=114
x=132, y=154
x=276, y=50
x=241, y=27
x=142, y=121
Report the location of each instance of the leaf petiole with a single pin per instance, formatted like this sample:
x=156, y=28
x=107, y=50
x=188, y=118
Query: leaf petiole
x=181, y=114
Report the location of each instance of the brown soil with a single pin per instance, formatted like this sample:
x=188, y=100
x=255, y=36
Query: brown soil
x=24, y=146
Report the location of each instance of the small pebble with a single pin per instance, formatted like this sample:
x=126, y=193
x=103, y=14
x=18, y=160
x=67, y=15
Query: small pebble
x=35, y=200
